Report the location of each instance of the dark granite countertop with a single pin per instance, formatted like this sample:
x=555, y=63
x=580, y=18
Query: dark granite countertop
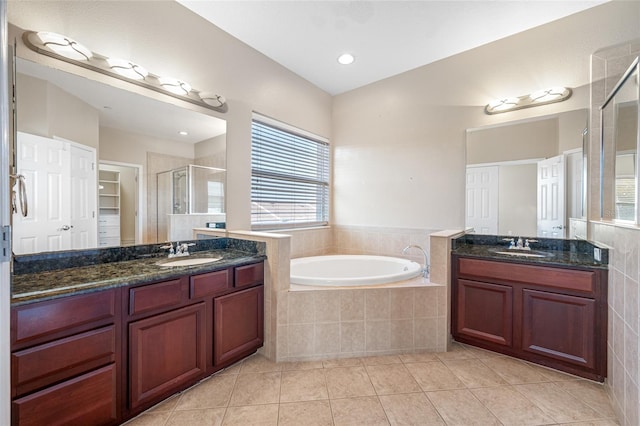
x=43, y=283
x=567, y=253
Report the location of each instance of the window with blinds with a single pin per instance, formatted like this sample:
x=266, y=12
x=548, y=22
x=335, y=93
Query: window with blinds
x=289, y=178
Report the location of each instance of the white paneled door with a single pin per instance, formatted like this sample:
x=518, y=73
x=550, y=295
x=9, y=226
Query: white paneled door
x=482, y=199
x=60, y=179
x=551, y=202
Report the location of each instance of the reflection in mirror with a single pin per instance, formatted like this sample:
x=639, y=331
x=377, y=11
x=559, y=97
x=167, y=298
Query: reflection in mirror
x=90, y=153
x=526, y=178
x=189, y=196
x=620, y=118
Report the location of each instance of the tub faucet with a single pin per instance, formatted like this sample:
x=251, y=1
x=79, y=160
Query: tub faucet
x=425, y=270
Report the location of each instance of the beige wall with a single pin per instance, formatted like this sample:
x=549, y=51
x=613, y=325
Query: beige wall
x=571, y=125
x=46, y=110
x=517, y=200
x=522, y=141
x=211, y=152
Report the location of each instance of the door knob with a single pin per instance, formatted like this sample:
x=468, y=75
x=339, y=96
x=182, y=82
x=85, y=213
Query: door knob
x=65, y=228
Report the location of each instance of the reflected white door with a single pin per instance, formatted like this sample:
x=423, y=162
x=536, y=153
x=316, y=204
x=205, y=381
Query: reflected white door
x=551, y=219
x=60, y=186
x=482, y=199
x=44, y=163
x=83, y=198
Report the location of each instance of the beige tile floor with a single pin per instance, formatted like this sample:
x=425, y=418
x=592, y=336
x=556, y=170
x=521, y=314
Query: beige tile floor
x=466, y=386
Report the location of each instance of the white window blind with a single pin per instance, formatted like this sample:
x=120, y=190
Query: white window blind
x=289, y=178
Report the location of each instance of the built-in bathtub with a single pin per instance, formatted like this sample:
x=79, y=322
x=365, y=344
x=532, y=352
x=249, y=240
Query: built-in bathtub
x=353, y=270
x=339, y=307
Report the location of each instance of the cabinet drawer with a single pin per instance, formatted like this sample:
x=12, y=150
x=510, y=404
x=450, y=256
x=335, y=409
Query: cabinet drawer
x=249, y=275
x=53, y=362
x=109, y=232
x=166, y=294
x=566, y=279
x=109, y=220
x=209, y=284
x=89, y=399
x=55, y=317
x=109, y=242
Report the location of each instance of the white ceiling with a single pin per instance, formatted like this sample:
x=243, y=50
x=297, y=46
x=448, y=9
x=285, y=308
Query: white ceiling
x=386, y=37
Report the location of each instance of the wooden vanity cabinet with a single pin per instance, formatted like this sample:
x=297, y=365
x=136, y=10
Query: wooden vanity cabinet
x=238, y=325
x=166, y=341
x=554, y=316
x=175, y=327
x=238, y=317
x=101, y=358
x=64, y=361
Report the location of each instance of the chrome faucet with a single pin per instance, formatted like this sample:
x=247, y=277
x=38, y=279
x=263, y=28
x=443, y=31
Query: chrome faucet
x=180, y=250
x=519, y=244
x=425, y=269
x=172, y=252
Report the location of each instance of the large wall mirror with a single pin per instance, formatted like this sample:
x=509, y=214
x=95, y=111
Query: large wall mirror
x=91, y=154
x=620, y=142
x=526, y=178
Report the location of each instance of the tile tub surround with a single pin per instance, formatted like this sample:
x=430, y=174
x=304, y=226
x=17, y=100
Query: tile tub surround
x=279, y=338
x=339, y=323
x=461, y=387
x=623, y=342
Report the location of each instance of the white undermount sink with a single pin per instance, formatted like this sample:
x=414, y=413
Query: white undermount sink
x=187, y=261
x=524, y=253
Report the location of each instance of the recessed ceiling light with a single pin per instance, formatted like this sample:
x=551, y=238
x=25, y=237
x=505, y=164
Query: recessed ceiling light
x=346, y=59
x=183, y=133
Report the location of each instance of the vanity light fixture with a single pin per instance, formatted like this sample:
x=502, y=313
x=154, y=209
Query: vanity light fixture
x=174, y=85
x=346, y=59
x=65, y=49
x=127, y=68
x=549, y=95
x=502, y=105
x=212, y=99
x=541, y=97
x=64, y=46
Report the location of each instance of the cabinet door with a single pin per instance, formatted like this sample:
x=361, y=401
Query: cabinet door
x=238, y=324
x=89, y=399
x=165, y=352
x=559, y=326
x=484, y=312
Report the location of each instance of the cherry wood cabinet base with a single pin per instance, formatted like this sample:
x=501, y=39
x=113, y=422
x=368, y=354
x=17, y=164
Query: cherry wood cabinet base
x=549, y=315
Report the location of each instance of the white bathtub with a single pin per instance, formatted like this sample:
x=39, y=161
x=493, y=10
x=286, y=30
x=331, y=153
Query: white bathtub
x=351, y=270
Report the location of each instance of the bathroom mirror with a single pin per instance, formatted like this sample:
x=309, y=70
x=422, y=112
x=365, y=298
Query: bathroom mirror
x=525, y=178
x=621, y=142
x=125, y=138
